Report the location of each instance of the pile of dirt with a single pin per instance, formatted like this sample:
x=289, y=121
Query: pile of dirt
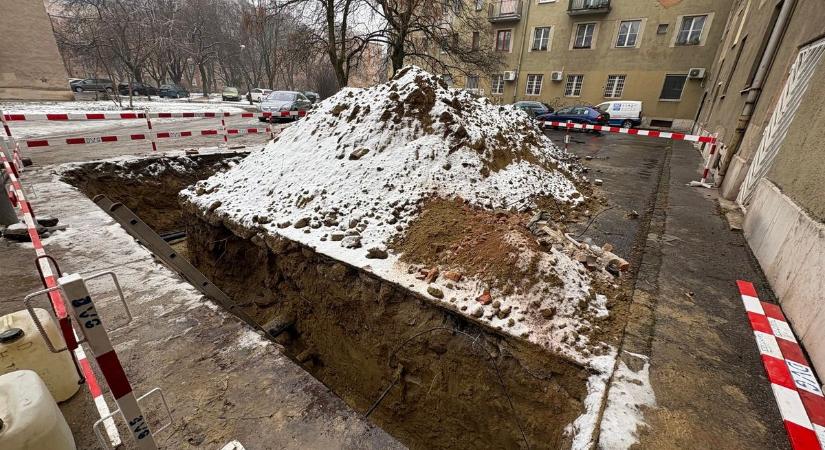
x=488, y=245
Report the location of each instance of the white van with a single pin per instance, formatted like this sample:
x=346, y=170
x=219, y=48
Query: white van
x=624, y=113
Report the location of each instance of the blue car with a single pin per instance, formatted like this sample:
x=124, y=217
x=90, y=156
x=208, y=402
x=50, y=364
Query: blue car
x=577, y=114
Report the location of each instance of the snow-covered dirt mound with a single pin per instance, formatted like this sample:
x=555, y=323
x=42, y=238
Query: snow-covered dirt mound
x=355, y=178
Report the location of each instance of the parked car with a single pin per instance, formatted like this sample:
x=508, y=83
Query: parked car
x=172, y=91
x=624, y=113
x=94, y=84
x=578, y=114
x=533, y=108
x=257, y=94
x=312, y=96
x=230, y=93
x=279, y=101
x=137, y=89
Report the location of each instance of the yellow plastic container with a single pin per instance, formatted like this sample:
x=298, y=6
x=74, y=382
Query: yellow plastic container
x=22, y=347
x=29, y=416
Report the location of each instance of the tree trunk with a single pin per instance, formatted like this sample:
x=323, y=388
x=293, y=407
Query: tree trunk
x=204, y=79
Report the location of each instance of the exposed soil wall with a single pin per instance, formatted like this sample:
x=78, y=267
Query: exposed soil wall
x=149, y=186
x=354, y=332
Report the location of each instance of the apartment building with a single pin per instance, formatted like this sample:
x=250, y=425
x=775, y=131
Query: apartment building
x=566, y=52
x=765, y=102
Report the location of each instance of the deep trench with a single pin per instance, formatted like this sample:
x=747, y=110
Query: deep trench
x=434, y=378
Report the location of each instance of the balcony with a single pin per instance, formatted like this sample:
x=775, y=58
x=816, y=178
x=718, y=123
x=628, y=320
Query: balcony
x=582, y=7
x=504, y=11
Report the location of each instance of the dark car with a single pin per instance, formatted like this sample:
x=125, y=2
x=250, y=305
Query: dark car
x=577, y=114
x=312, y=96
x=93, y=85
x=137, y=89
x=533, y=108
x=172, y=91
x=280, y=103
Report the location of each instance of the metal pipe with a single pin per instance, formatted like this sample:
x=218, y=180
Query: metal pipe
x=755, y=88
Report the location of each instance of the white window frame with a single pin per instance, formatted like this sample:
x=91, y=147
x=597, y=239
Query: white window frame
x=574, y=82
x=541, y=2
x=593, y=35
x=546, y=39
x=497, y=84
x=510, y=44
x=616, y=88
x=536, y=79
x=638, y=38
x=703, y=36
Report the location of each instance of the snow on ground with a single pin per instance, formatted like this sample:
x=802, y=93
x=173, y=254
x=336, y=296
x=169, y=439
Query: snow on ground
x=630, y=392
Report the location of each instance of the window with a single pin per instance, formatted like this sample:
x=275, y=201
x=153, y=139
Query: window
x=628, y=33
x=614, y=86
x=448, y=79
x=573, y=87
x=497, y=84
x=476, y=40
x=662, y=28
x=503, y=40
x=541, y=39
x=479, y=5
x=534, y=84
x=472, y=82
x=584, y=35
x=690, y=33
x=672, y=87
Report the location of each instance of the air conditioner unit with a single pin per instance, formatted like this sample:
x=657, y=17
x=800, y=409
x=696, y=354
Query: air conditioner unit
x=556, y=76
x=510, y=75
x=696, y=73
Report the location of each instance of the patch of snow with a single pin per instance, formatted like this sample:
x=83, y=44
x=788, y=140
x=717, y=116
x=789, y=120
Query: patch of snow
x=251, y=339
x=630, y=393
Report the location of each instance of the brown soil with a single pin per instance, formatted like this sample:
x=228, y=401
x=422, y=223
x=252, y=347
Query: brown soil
x=486, y=244
x=153, y=198
x=355, y=332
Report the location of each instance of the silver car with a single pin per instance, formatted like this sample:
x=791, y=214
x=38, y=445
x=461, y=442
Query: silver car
x=280, y=104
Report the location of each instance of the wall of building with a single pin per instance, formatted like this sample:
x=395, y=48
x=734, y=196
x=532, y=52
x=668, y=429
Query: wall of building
x=743, y=43
x=30, y=65
x=644, y=66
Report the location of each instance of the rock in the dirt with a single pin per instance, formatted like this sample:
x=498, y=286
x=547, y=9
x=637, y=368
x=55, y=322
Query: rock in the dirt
x=18, y=232
x=598, y=182
x=451, y=275
x=485, y=298
x=284, y=224
x=351, y=242
x=336, y=236
x=302, y=222
x=478, y=312
x=548, y=313
x=435, y=292
x=376, y=253
x=357, y=154
x=47, y=221
x=431, y=276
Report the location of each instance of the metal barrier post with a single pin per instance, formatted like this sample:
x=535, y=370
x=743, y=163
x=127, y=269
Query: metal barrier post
x=567, y=135
x=84, y=310
x=151, y=134
x=223, y=127
x=706, y=171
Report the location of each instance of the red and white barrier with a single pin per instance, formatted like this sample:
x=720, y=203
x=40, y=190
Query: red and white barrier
x=633, y=131
x=85, y=312
x=794, y=384
x=50, y=280
x=69, y=116
x=82, y=140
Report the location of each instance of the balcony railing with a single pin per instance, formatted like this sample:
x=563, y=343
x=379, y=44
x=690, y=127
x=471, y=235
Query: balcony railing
x=580, y=7
x=504, y=11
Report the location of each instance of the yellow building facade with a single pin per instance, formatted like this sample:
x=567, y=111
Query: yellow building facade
x=572, y=52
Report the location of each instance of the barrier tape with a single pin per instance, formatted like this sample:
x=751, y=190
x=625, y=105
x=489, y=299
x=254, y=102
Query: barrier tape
x=82, y=140
x=67, y=116
x=633, y=131
x=794, y=384
x=57, y=300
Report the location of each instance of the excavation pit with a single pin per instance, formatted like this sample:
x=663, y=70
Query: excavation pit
x=457, y=346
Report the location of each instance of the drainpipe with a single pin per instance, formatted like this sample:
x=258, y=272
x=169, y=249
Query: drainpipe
x=756, y=87
x=521, y=51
